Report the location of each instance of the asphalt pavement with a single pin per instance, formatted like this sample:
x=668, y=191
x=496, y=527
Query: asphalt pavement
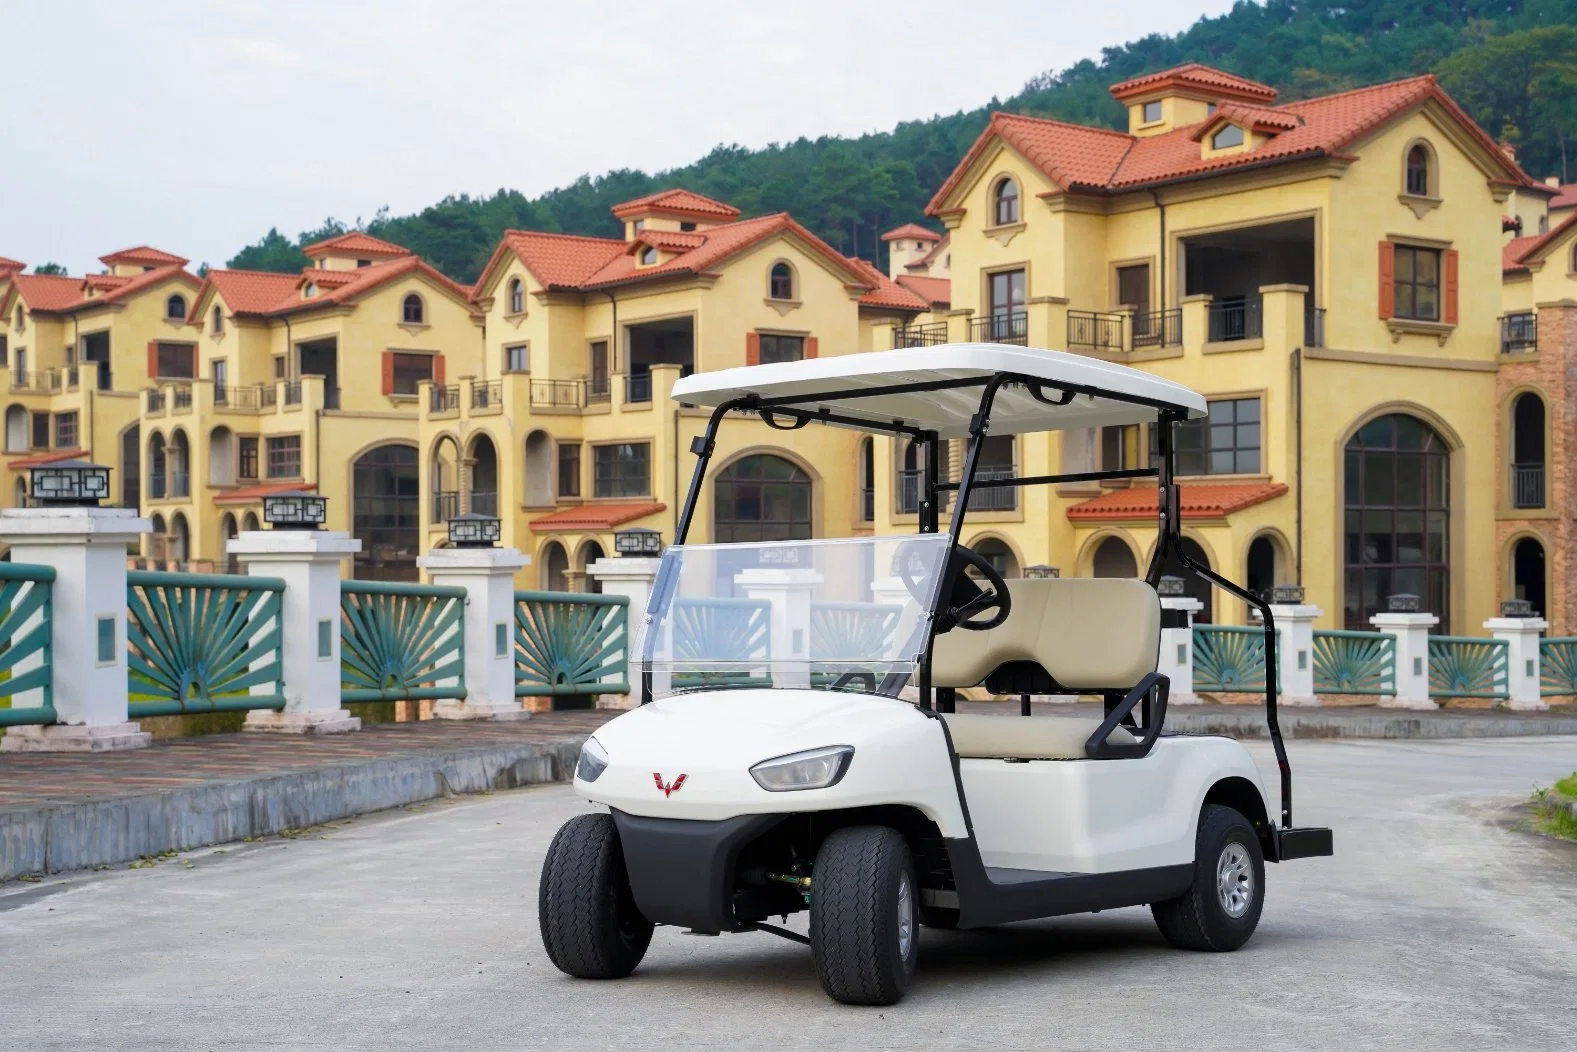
x=1437, y=925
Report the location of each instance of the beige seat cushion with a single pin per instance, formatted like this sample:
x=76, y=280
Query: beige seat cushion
x=1090, y=633
x=1025, y=737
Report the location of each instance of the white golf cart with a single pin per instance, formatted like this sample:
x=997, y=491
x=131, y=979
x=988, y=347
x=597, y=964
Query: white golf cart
x=797, y=747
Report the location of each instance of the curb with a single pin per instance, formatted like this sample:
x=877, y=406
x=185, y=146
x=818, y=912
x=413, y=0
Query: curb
x=1313, y=724
x=56, y=838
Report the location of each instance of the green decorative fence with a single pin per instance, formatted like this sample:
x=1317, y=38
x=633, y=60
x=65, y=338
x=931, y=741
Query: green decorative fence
x=1467, y=667
x=571, y=644
x=1229, y=658
x=728, y=631
x=25, y=626
x=202, y=643
x=1558, y=666
x=401, y=642
x=1354, y=662
x=851, y=631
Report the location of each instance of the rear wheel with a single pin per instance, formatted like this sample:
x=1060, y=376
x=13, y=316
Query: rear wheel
x=1221, y=908
x=590, y=924
x=864, y=917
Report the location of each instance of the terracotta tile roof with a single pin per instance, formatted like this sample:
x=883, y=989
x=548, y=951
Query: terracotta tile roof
x=101, y=282
x=678, y=201
x=595, y=516
x=36, y=459
x=938, y=292
x=1565, y=197
x=268, y=294
x=51, y=293
x=247, y=291
x=354, y=243
x=668, y=240
x=143, y=255
x=10, y=264
x=936, y=250
x=1256, y=118
x=1201, y=500
x=255, y=494
x=328, y=279
x=137, y=283
x=912, y=230
x=557, y=261
x=1511, y=253
x=1516, y=254
x=884, y=292
x=1198, y=76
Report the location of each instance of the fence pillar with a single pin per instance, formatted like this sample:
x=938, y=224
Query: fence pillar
x=631, y=577
x=488, y=577
x=87, y=548
x=1295, y=652
x=789, y=592
x=1522, y=658
x=309, y=562
x=1412, y=657
x=1177, y=646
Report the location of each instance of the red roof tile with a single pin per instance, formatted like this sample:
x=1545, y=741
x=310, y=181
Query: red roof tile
x=36, y=459
x=557, y=261
x=7, y=265
x=52, y=293
x=676, y=201
x=936, y=250
x=101, y=282
x=1203, y=500
x=938, y=292
x=267, y=294
x=255, y=494
x=328, y=279
x=595, y=516
x=248, y=291
x=1198, y=76
x=1256, y=118
x=1516, y=254
x=668, y=240
x=912, y=230
x=136, y=283
x=1565, y=197
x=354, y=243
x=143, y=255
x=884, y=292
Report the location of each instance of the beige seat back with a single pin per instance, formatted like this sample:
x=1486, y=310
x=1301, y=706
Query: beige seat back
x=1089, y=633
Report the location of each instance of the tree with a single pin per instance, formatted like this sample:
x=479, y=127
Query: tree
x=49, y=268
x=273, y=251
x=1522, y=88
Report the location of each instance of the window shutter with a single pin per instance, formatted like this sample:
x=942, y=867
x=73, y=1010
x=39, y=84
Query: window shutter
x=811, y=345
x=438, y=369
x=1451, y=286
x=194, y=361
x=388, y=372
x=752, y=348
x=1387, y=279
x=153, y=359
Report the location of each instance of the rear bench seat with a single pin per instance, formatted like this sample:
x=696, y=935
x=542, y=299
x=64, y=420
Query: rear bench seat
x=1090, y=634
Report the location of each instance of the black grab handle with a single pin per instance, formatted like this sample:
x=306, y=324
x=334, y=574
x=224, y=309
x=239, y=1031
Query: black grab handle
x=1099, y=748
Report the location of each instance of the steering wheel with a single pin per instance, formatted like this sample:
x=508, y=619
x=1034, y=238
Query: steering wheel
x=966, y=599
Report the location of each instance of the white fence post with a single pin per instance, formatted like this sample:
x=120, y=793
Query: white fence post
x=488, y=577
x=789, y=592
x=631, y=577
x=1521, y=632
x=1295, y=652
x=1411, y=630
x=1177, y=647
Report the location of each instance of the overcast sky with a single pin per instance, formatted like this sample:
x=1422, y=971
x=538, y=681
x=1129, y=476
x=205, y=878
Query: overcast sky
x=196, y=127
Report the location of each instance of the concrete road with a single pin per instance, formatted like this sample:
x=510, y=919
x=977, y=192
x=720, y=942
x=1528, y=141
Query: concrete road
x=1435, y=926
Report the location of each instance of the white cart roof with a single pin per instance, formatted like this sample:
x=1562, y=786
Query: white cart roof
x=836, y=379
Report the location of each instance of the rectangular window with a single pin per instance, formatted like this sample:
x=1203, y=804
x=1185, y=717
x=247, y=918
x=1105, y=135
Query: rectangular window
x=1133, y=288
x=1225, y=442
x=246, y=458
x=410, y=370
x=1152, y=112
x=1007, y=292
x=279, y=367
x=1120, y=447
x=177, y=361
x=517, y=359
x=66, y=430
x=284, y=457
x=40, y=434
x=1417, y=283
x=622, y=470
x=220, y=370
x=569, y=469
x=781, y=348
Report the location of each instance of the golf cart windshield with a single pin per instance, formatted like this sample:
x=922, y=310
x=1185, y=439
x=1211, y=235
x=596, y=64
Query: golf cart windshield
x=825, y=614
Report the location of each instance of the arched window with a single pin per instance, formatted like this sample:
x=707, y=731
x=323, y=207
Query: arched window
x=1006, y=202
x=21, y=491
x=555, y=567
x=761, y=498
x=999, y=555
x=517, y=296
x=781, y=286
x=180, y=456
x=386, y=512
x=867, y=479
x=1418, y=170
x=1528, y=574
x=411, y=311
x=175, y=308
x=219, y=321
x=1527, y=451
x=156, y=467
x=1114, y=559
x=648, y=256
x=310, y=291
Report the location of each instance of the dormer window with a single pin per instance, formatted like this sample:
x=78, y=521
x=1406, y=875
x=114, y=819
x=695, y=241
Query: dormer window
x=411, y=311
x=219, y=321
x=175, y=308
x=1006, y=202
x=363, y=263
x=687, y=226
x=648, y=256
x=517, y=296
x=1152, y=112
x=1210, y=109
x=640, y=224
x=1229, y=136
x=310, y=291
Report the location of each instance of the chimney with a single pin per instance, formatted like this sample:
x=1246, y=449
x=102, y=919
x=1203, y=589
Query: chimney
x=1552, y=180
x=1510, y=151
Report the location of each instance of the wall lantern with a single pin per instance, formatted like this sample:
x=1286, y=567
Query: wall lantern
x=1169, y=587
x=295, y=510
x=474, y=531
x=1517, y=608
x=69, y=484
x=637, y=541
x=1285, y=594
x=1040, y=571
x=1402, y=603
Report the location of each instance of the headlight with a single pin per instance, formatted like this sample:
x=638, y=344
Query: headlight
x=813, y=769
x=593, y=761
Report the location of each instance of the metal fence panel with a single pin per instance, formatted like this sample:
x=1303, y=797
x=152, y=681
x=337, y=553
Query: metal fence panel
x=570, y=643
x=398, y=641
x=25, y=635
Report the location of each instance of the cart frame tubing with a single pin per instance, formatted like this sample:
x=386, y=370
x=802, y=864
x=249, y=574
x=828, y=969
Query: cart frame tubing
x=26, y=590
x=773, y=411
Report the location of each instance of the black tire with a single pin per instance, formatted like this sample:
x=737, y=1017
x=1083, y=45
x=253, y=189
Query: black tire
x=590, y=924
x=855, y=903
x=1200, y=919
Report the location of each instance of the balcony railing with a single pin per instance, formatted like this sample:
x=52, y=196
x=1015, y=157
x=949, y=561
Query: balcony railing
x=446, y=505
x=931, y=334
x=73, y=378
x=1519, y=332
x=444, y=399
x=638, y=387
x=1094, y=330
x=182, y=398
x=1155, y=328
x=489, y=395
x=1235, y=320
x=557, y=394
x=867, y=505
x=1314, y=328
x=293, y=393
x=995, y=498
x=908, y=492
x=1527, y=485
x=484, y=502
x=1001, y=327
x=599, y=390
x=155, y=400
x=268, y=395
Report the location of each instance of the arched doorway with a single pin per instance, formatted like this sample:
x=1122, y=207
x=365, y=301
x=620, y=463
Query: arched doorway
x=21, y=492
x=1261, y=564
x=228, y=531
x=867, y=479
x=156, y=541
x=131, y=467
x=221, y=456
x=386, y=513
x=1396, y=519
x=249, y=522
x=588, y=553
x=483, y=489
x=1527, y=451
x=1527, y=574
x=180, y=549
x=555, y=567
x=999, y=555
x=539, y=471
x=761, y=497
x=156, y=465
x=180, y=454
x=1193, y=586
x=443, y=478
x=16, y=436
x=1113, y=558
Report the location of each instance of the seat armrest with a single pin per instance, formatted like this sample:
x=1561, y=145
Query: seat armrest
x=1153, y=690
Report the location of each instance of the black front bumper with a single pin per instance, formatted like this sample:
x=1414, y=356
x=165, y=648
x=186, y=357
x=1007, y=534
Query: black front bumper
x=1308, y=842
x=682, y=871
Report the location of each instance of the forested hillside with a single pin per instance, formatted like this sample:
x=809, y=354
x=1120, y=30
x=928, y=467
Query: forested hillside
x=1512, y=63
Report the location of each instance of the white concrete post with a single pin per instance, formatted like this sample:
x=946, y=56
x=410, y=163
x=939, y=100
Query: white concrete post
x=1295, y=651
x=789, y=592
x=632, y=577
x=890, y=591
x=1522, y=658
x=488, y=577
x=87, y=548
x=1412, y=657
x=1177, y=649
x=309, y=562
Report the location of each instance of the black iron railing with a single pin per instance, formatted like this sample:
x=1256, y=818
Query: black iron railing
x=1314, y=328
x=484, y=502
x=931, y=334
x=995, y=498
x=638, y=387
x=557, y=394
x=445, y=398
x=293, y=392
x=1094, y=330
x=867, y=505
x=599, y=389
x=1158, y=328
x=1001, y=327
x=908, y=492
x=155, y=400
x=446, y=504
x=487, y=395
x=1527, y=485
x=1519, y=332
x=1235, y=320
x=268, y=395
x=182, y=398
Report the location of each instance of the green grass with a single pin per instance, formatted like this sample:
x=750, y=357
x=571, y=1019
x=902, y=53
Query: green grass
x=1567, y=786
x=1551, y=814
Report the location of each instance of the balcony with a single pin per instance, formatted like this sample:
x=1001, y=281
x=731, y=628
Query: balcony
x=1235, y=319
x=1095, y=331
x=1314, y=328
x=1527, y=485
x=155, y=400
x=446, y=505
x=599, y=390
x=557, y=394
x=995, y=498
x=484, y=502
x=1158, y=328
x=1001, y=327
x=444, y=399
x=932, y=334
x=637, y=388
x=487, y=394
x=181, y=398
x=908, y=492
x=293, y=392
x=1519, y=332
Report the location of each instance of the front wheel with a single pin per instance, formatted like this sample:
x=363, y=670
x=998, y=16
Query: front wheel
x=590, y=924
x=864, y=917
x=1220, y=910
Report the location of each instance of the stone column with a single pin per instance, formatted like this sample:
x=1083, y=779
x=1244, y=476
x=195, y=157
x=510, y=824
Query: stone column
x=309, y=562
x=630, y=577
x=87, y=548
x=1177, y=646
x=1522, y=659
x=789, y=592
x=1295, y=651
x=1281, y=315
x=488, y=577
x=1412, y=657
x=1196, y=320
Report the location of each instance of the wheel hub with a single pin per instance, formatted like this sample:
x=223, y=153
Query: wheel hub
x=905, y=916
x=1235, y=880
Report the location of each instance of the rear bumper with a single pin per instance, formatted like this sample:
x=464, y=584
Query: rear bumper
x=682, y=870
x=1308, y=842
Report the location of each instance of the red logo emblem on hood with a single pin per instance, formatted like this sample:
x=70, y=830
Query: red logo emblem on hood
x=669, y=790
